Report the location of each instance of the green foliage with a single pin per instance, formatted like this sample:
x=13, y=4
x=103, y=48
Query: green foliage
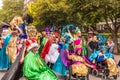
x=46, y=12
x=79, y=12
x=10, y=9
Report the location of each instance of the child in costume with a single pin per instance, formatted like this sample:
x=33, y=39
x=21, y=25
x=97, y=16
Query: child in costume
x=106, y=56
x=34, y=67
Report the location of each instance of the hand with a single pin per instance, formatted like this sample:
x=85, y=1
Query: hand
x=21, y=60
x=7, y=52
x=94, y=67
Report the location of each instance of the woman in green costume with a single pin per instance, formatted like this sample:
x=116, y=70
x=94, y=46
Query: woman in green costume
x=34, y=67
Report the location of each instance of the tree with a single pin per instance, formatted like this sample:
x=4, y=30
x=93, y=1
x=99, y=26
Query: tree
x=97, y=10
x=10, y=9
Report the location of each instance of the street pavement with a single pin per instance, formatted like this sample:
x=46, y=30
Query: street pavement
x=91, y=77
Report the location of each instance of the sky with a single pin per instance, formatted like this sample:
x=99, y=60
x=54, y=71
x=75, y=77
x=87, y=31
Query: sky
x=0, y=3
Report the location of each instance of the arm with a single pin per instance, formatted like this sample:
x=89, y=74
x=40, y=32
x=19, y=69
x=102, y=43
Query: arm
x=23, y=54
x=88, y=65
x=21, y=32
x=69, y=56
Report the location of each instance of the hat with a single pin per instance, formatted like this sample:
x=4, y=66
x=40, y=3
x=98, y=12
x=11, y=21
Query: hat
x=31, y=44
x=47, y=30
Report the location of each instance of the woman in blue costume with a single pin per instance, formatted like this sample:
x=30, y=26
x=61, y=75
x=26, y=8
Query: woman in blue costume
x=59, y=67
x=4, y=59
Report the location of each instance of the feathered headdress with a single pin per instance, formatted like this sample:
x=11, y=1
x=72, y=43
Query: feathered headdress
x=47, y=30
x=31, y=44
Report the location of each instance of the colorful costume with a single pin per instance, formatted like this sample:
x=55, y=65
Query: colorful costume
x=42, y=44
x=35, y=68
x=112, y=66
x=95, y=54
x=78, y=66
x=4, y=59
x=12, y=49
x=59, y=66
x=53, y=53
x=45, y=49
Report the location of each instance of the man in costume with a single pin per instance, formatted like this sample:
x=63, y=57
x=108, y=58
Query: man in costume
x=34, y=67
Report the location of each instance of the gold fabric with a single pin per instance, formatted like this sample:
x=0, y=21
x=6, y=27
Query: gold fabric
x=78, y=69
x=12, y=49
x=112, y=67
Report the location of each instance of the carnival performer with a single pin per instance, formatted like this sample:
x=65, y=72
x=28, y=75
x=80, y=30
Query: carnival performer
x=53, y=53
x=47, y=44
x=79, y=65
x=42, y=41
x=34, y=67
x=11, y=49
x=19, y=23
x=108, y=57
x=4, y=59
x=46, y=47
x=61, y=64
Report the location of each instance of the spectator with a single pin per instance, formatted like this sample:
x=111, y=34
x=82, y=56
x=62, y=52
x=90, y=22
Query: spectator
x=110, y=45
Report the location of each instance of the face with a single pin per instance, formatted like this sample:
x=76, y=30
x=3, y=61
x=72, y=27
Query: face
x=57, y=40
x=79, y=34
x=94, y=38
x=14, y=33
x=79, y=52
x=103, y=51
x=35, y=50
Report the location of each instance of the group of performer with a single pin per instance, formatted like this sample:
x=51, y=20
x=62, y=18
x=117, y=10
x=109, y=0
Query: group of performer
x=53, y=52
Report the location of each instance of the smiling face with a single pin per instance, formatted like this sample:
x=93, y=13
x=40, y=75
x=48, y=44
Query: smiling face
x=34, y=50
x=79, y=52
